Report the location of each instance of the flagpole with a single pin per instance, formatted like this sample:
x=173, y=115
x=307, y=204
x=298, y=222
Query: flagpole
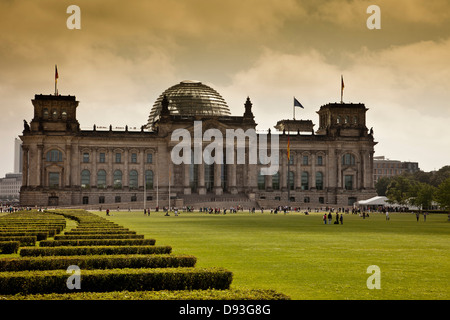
x=289, y=169
x=169, y=188
x=145, y=190
x=342, y=89
x=294, y=109
x=56, y=80
x=157, y=182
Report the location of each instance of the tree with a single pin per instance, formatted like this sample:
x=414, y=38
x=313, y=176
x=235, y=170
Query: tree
x=382, y=185
x=399, y=190
x=440, y=176
x=424, y=195
x=442, y=194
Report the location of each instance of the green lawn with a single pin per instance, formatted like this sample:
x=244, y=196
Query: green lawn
x=300, y=256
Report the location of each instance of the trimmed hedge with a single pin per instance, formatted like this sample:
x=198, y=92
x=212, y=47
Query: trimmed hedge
x=55, y=281
x=94, y=250
x=24, y=240
x=39, y=235
x=96, y=262
x=99, y=236
x=97, y=231
x=7, y=247
x=51, y=232
x=97, y=242
x=36, y=225
x=210, y=294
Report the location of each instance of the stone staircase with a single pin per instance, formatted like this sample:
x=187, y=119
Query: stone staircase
x=219, y=201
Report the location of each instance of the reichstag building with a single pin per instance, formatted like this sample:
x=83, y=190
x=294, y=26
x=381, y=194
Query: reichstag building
x=66, y=166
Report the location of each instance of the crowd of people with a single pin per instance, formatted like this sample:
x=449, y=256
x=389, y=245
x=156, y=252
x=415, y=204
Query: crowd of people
x=363, y=212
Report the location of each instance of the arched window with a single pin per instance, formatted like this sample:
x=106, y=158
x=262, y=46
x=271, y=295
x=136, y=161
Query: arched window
x=101, y=179
x=149, y=179
x=117, y=179
x=348, y=159
x=133, y=183
x=54, y=156
x=319, y=180
x=85, y=179
x=305, y=180
x=276, y=181
x=45, y=113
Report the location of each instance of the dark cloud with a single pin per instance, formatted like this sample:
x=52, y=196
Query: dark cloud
x=127, y=53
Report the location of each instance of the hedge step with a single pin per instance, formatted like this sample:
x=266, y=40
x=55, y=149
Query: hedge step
x=56, y=281
x=88, y=250
x=97, y=262
x=99, y=236
x=97, y=242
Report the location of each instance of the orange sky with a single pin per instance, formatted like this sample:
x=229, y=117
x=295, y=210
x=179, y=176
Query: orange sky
x=127, y=52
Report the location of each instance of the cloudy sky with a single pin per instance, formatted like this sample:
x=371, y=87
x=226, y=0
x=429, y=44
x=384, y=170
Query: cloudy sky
x=128, y=52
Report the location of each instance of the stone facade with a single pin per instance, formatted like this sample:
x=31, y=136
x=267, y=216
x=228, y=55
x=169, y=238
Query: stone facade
x=66, y=166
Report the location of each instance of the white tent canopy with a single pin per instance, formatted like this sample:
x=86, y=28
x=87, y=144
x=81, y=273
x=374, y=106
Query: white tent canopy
x=376, y=201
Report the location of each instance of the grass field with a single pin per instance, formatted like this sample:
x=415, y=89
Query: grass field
x=301, y=257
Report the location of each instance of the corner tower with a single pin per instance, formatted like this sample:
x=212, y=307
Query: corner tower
x=54, y=114
x=343, y=119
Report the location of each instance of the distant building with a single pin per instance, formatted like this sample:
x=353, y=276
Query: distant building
x=18, y=160
x=383, y=167
x=10, y=186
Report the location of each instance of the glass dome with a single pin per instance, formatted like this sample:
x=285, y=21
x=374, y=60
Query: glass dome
x=190, y=98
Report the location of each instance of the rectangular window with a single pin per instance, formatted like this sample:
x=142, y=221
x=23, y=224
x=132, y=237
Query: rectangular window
x=102, y=157
x=53, y=179
x=348, y=180
x=319, y=160
x=85, y=157
x=101, y=199
x=149, y=158
x=133, y=158
x=305, y=160
x=118, y=157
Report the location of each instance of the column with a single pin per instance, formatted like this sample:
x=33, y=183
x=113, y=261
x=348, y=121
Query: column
x=94, y=167
x=268, y=181
x=283, y=172
x=298, y=174
x=339, y=170
x=370, y=176
x=39, y=181
x=313, y=170
x=110, y=171
x=232, y=172
x=186, y=185
x=74, y=165
x=67, y=166
x=141, y=168
x=126, y=173
x=218, y=179
x=201, y=178
x=25, y=166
